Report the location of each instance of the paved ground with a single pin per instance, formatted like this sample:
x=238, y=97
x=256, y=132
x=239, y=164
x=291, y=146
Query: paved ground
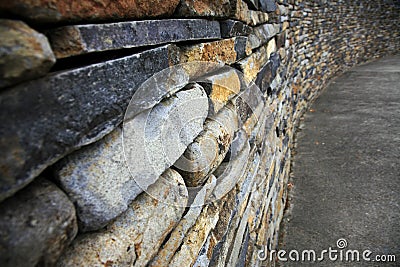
x=347, y=167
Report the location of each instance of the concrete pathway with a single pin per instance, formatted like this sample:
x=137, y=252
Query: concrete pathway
x=346, y=172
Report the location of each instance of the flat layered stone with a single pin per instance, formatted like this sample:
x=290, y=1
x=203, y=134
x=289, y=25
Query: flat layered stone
x=250, y=17
x=81, y=39
x=208, y=150
x=102, y=182
x=97, y=180
x=196, y=237
x=36, y=225
x=50, y=11
x=227, y=51
x=267, y=5
x=221, y=86
x=251, y=65
x=262, y=34
x=77, y=106
x=166, y=253
x=232, y=208
x=155, y=139
x=24, y=53
x=232, y=28
x=130, y=240
x=229, y=173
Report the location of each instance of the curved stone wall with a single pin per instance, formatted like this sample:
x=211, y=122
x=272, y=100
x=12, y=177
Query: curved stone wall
x=137, y=134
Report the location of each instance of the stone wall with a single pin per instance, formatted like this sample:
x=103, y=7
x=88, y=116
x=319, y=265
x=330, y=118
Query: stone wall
x=104, y=164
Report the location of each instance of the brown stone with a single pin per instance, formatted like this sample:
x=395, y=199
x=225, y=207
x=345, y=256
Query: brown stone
x=49, y=11
x=24, y=53
x=227, y=51
x=205, y=8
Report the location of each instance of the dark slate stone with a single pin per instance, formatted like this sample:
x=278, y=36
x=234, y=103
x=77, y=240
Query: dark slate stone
x=276, y=62
x=264, y=77
x=43, y=120
x=267, y=5
x=36, y=225
x=232, y=28
x=280, y=39
x=241, y=47
x=244, y=248
x=81, y=39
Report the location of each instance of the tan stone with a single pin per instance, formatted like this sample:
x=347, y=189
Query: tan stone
x=168, y=250
x=226, y=51
x=252, y=65
x=24, y=53
x=208, y=150
x=47, y=11
x=221, y=87
x=134, y=238
x=196, y=237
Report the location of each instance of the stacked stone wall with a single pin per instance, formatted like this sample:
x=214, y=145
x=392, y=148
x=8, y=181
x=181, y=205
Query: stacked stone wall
x=160, y=133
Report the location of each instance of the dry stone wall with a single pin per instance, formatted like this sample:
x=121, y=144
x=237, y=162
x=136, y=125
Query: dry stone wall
x=159, y=133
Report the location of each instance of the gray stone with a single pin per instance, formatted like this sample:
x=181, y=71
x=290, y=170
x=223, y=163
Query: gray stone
x=156, y=138
x=232, y=208
x=24, y=53
x=232, y=28
x=196, y=237
x=208, y=150
x=134, y=238
x=77, y=107
x=81, y=39
x=249, y=104
x=97, y=180
x=177, y=236
x=262, y=34
x=229, y=173
x=36, y=225
x=268, y=5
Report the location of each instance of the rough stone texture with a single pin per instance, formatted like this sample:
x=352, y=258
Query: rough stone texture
x=98, y=181
x=227, y=51
x=205, y=8
x=221, y=86
x=176, y=238
x=251, y=17
x=77, y=107
x=36, y=225
x=208, y=150
x=196, y=237
x=131, y=239
x=236, y=9
x=97, y=177
x=81, y=39
x=156, y=138
x=232, y=28
x=267, y=5
x=262, y=34
x=50, y=11
x=310, y=42
x=24, y=53
x=251, y=65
